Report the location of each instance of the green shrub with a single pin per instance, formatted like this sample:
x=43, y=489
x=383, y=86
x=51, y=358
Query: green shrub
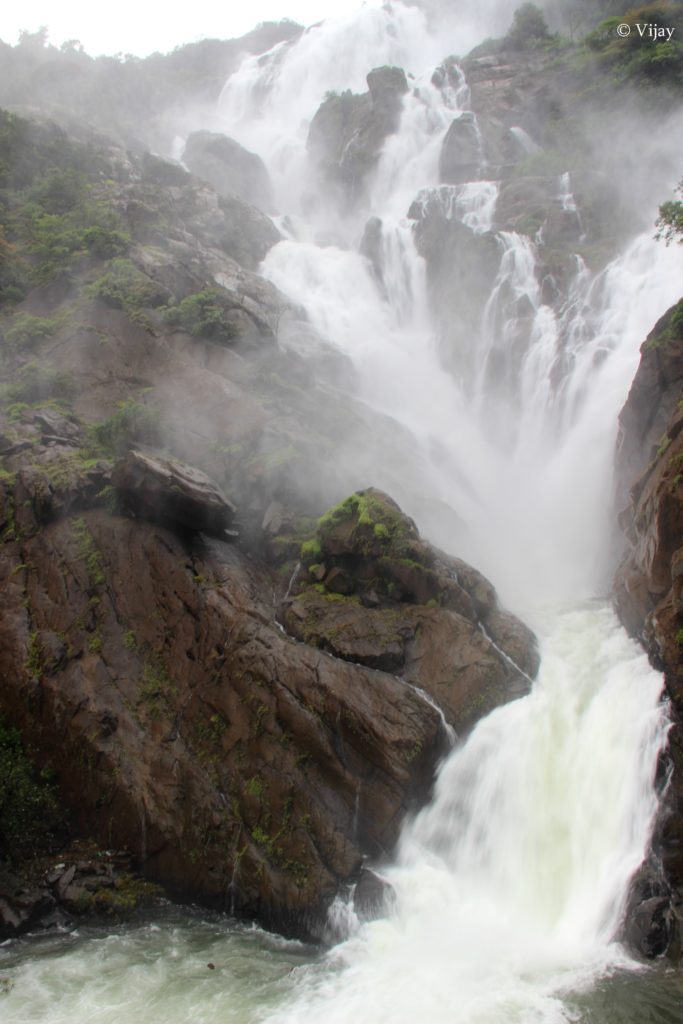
x=27, y=331
x=670, y=220
x=35, y=383
x=29, y=812
x=529, y=28
x=204, y=314
x=132, y=423
x=125, y=287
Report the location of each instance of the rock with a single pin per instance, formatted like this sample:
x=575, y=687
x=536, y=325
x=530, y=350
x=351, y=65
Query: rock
x=165, y=489
x=461, y=154
x=648, y=590
x=234, y=771
x=229, y=167
x=348, y=131
x=392, y=602
x=372, y=896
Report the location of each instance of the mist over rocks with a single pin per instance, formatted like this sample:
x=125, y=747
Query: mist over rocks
x=229, y=167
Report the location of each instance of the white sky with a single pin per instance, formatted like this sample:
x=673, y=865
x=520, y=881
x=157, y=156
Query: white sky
x=140, y=27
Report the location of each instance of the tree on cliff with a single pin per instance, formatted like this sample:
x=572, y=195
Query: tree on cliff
x=670, y=220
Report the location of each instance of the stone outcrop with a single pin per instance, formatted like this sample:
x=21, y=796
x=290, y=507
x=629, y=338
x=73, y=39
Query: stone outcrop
x=373, y=593
x=461, y=153
x=159, y=488
x=648, y=594
x=239, y=767
x=348, y=131
x=229, y=167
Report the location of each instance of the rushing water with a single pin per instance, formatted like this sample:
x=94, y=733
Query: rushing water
x=510, y=884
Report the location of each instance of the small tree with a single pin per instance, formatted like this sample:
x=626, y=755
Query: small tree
x=670, y=220
x=528, y=29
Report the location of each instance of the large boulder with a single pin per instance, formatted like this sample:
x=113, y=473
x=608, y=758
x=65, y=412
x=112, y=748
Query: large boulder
x=229, y=167
x=349, y=130
x=373, y=593
x=160, y=488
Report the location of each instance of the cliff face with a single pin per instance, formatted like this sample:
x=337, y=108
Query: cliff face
x=648, y=587
x=203, y=701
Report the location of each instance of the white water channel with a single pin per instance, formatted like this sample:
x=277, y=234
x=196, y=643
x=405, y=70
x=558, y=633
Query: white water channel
x=510, y=884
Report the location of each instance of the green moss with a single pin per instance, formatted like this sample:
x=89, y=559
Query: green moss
x=127, y=894
x=254, y=786
x=310, y=551
x=34, y=656
x=88, y=552
x=129, y=641
x=380, y=531
x=156, y=689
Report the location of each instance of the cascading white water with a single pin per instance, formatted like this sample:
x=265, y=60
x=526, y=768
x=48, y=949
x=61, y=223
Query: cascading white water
x=510, y=884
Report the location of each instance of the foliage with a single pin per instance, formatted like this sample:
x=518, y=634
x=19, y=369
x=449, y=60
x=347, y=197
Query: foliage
x=28, y=805
x=33, y=383
x=639, y=58
x=27, y=331
x=670, y=220
x=125, y=287
x=204, y=314
x=529, y=28
x=132, y=423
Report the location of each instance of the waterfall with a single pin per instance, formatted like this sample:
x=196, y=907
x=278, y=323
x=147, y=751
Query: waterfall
x=510, y=884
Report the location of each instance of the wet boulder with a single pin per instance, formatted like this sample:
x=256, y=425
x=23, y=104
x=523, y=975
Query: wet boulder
x=371, y=591
x=160, y=488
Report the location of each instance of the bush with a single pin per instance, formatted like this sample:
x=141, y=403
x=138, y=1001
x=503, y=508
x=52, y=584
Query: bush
x=529, y=28
x=203, y=314
x=133, y=423
x=26, y=331
x=637, y=58
x=670, y=220
x=29, y=811
x=35, y=383
x=125, y=287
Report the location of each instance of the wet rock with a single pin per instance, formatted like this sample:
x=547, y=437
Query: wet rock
x=158, y=487
x=648, y=590
x=229, y=167
x=372, y=896
x=460, y=155
x=390, y=601
x=348, y=131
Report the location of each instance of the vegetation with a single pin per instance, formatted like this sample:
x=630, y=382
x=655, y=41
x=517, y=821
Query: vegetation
x=125, y=287
x=29, y=812
x=670, y=220
x=132, y=423
x=640, y=59
x=529, y=28
x=204, y=314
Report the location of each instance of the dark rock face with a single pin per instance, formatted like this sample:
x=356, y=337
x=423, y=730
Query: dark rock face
x=229, y=167
x=239, y=767
x=348, y=131
x=375, y=594
x=372, y=896
x=165, y=489
x=648, y=589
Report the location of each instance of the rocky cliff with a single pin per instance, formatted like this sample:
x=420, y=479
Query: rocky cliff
x=248, y=720
x=648, y=592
